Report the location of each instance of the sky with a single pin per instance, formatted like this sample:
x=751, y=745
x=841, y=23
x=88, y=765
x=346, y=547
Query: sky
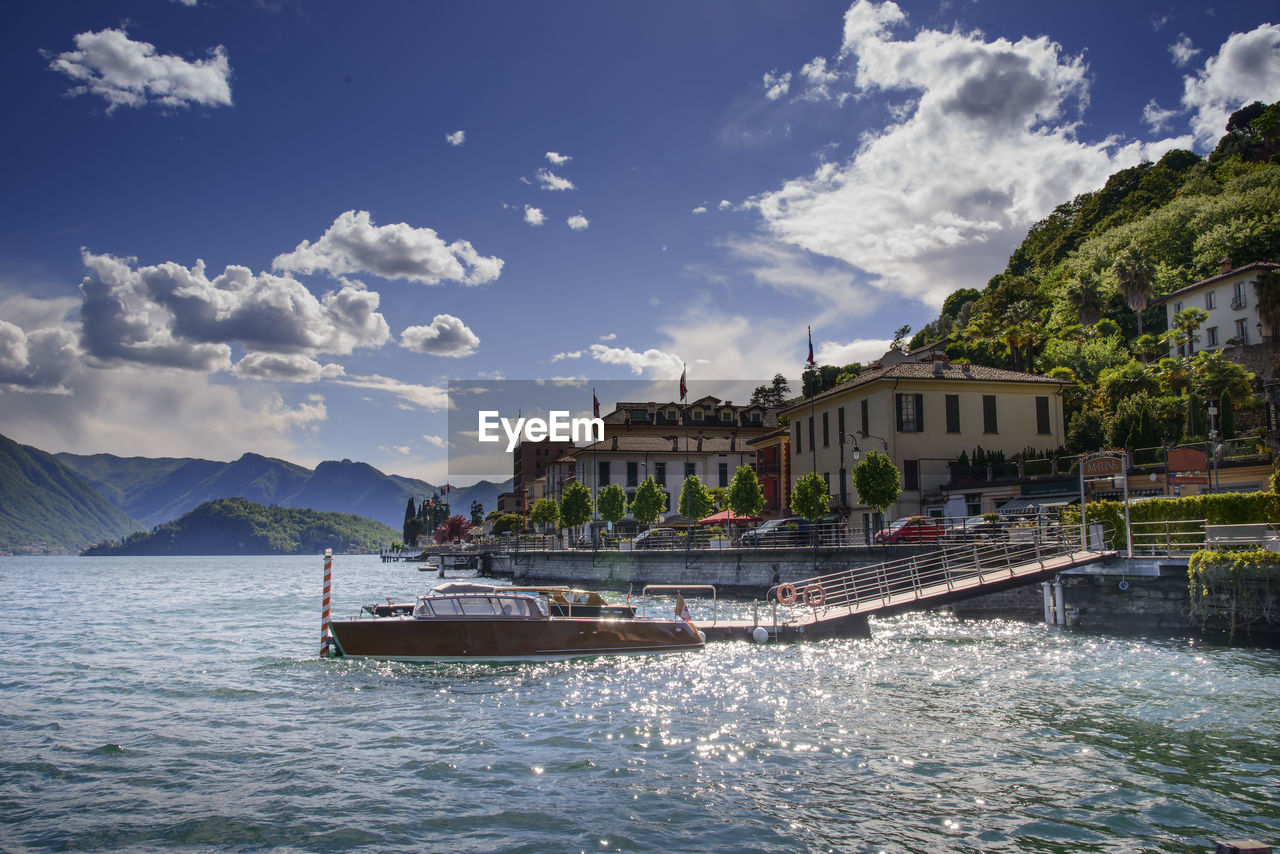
x=284, y=227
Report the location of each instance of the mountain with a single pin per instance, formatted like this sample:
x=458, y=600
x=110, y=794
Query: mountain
x=156, y=491
x=47, y=507
x=236, y=526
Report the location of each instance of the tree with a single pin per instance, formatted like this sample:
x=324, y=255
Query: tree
x=508, y=523
x=1085, y=298
x=649, y=502
x=774, y=395
x=898, y=335
x=1086, y=432
x=612, y=503
x=695, y=498
x=1135, y=276
x=1267, y=291
x=575, y=504
x=746, y=497
x=545, y=512
x=719, y=498
x=809, y=499
x=1226, y=416
x=477, y=513
x=1186, y=326
x=877, y=480
x=452, y=529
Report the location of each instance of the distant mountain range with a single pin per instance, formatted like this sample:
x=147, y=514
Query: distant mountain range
x=66, y=502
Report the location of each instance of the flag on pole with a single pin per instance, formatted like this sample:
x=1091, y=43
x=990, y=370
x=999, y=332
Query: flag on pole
x=595, y=404
x=810, y=359
x=682, y=610
x=684, y=390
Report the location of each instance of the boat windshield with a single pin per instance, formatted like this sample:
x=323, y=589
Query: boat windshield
x=478, y=606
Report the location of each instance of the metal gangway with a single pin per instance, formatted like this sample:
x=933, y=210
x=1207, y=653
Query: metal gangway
x=947, y=574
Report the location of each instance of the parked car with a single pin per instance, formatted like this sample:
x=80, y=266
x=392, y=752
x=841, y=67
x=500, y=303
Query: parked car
x=792, y=531
x=656, y=538
x=913, y=529
x=978, y=528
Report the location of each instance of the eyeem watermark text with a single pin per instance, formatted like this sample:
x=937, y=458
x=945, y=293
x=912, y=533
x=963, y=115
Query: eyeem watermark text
x=558, y=427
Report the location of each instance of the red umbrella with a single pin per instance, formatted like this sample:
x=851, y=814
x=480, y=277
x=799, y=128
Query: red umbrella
x=726, y=517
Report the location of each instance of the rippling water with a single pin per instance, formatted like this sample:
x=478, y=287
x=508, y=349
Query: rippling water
x=179, y=704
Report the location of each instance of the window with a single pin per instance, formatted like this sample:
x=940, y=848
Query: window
x=724, y=474
x=826, y=478
x=826, y=430
x=697, y=415
x=795, y=438
x=689, y=469
x=989, y=413
x=754, y=418
x=1242, y=331
x=604, y=473
x=1177, y=307
x=911, y=475
x=660, y=473
x=811, y=443
x=1211, y=337
x=1239, y=300
x=671, y=415
x=840, y=425
x=1042, y=415
x=1210, y=300
x=910, y=414
x=639, y=415
x=633, y=474
x=953, y=413
x=866, y=420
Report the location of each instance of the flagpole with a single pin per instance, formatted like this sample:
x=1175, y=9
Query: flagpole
x=813, y=446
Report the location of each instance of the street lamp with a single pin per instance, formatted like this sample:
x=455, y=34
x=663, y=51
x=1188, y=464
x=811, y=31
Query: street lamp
x=855, y=455
x=1213, y=442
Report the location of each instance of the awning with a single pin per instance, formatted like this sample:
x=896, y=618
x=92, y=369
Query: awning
x=1027, y=504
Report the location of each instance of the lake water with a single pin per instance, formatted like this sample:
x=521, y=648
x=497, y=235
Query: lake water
x=179, y=704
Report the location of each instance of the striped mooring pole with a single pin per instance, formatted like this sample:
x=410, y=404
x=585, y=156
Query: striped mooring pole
x=325, y=640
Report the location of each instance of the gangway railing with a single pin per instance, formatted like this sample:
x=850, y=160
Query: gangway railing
x=926, y=575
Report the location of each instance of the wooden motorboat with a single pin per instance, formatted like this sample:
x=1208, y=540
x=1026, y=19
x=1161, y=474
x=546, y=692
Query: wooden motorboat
x=562, y=601
x=499, y=625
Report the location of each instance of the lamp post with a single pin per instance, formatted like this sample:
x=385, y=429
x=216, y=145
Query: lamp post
x=1213, y=442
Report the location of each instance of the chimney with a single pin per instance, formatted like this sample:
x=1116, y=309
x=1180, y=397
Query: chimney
x=1225, y=266
x=615, y=443
x=699, y=441
x=966, y=369
x=675, y=443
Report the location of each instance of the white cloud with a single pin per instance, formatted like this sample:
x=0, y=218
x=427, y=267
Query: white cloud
x=775, y=85
x=1246, y=69
x=456, y=138
x=438, y=441
x=173, y=316
x=558, y=159
x=578, y=222
x=39, y=360
x=551, y=181
x=819, y=80
x=609, y=337
x=285, y=367
x=127, y=73
x=575, y=354
x=862, y=350
x=725, y=204
x=425, y=397
x=1183, y=51
x=534, y=216
x=354, y=244
x=1157, y=118
x=445, y=336
x=790, y=270
x=657, y=362
x=700, y=209
x=984, y=146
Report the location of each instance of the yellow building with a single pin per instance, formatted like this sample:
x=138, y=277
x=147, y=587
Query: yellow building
x=924, y=415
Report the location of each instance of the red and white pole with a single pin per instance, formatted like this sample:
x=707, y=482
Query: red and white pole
x=325, y=640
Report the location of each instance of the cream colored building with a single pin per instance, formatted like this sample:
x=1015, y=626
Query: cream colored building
x=924, y=415
x=1230, y=300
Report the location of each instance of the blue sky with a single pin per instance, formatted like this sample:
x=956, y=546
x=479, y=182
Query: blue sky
x=283, y=226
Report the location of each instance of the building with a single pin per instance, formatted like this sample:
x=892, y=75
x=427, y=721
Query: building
x=924, y=415
x=1231, y=300
x=773, y=466
x=629, y=459
x=529, y=463
x=710, y=415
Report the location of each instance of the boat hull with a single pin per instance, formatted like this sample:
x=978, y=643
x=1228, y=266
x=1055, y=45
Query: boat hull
x=557, y=639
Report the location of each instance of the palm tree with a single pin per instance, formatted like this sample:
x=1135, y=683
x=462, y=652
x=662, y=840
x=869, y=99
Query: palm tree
x=1267, y=289
x=1023, y=330
x=1084, y=297
x=1135, y=275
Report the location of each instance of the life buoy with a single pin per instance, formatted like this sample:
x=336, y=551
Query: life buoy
x=787, y=594
x=814, y=596
x=1123, y=585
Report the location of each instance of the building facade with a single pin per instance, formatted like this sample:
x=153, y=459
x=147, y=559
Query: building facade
x=1231, y=301
x=924, y=415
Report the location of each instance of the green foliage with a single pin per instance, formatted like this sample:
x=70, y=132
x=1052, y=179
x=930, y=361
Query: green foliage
x=575, y=504
x=612, y=503
x=237, y=526
x=809, y=498
x=695, y=498
x=545, y=512
x=719, y=498
x=477, y=513
x=649, y=502
x=877, y=480
x=1085, y=432
x=746, y=496
x=1234, y=588
x=508, y=523
x=1221, y=508
x=773, y=395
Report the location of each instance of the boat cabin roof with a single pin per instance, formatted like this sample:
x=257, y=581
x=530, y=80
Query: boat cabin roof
x=562, y=595
x=489, y=606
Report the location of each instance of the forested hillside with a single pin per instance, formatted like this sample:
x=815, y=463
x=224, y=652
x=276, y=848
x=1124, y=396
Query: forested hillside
x=236, y=526
x=45, y=507
x=1077, y=299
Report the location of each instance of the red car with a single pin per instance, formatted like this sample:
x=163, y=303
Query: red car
x=913, y=529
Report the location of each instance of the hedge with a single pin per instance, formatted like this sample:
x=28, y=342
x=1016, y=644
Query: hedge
x=1222, y=508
